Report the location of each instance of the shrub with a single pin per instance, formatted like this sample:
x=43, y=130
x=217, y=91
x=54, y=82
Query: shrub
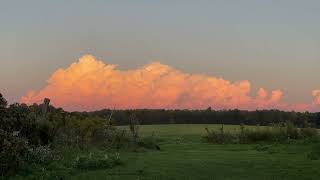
x=220, y=137
x=112, y=138
x=149, y=143
x=96, y=162
x=13, y=151
x=79, y=131
x=291, y=131
x=66, y=137
x=41, y=155
x=82, y=134
x=309, y=133
x=255, y=136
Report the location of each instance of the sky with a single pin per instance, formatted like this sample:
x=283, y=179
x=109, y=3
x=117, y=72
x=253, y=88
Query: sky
x=273, y=44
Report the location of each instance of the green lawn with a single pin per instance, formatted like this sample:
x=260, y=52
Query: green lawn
x=184, y=156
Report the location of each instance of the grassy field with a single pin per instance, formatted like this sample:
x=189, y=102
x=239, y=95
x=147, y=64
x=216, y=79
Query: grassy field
x=184, y=155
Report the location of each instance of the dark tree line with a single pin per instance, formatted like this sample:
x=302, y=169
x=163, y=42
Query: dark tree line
x=16, y=115
x=209, y=116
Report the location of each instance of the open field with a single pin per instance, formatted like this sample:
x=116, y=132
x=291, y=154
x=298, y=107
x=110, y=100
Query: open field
x=184, y=156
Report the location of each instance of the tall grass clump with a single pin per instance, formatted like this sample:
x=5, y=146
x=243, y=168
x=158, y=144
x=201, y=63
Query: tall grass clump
x=248, y=135
x=220, y=137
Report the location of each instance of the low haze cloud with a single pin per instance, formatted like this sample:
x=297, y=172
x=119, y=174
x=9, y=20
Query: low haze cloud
x=90, y=84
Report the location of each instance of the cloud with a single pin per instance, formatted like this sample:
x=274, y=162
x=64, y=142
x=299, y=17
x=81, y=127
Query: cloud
x=90, y=84
x=262, y=94
x=276, y=95
x=316, y=94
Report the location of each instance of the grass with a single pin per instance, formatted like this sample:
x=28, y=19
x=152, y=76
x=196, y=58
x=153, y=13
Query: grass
x=253, y=135
x=184, y=156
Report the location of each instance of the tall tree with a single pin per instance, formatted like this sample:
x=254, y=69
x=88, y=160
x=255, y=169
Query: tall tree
x=3, y=101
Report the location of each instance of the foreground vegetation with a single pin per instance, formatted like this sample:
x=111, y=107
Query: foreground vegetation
x=43, y=142
x=31, y=138
x=184, y=155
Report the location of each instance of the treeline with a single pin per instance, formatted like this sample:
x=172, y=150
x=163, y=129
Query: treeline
x=162, y=116
x=209, y=116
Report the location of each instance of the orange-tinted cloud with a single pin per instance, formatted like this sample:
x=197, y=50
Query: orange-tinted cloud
x=276, y=95
x=90, y=84
x=316, y=94
x=262, y=94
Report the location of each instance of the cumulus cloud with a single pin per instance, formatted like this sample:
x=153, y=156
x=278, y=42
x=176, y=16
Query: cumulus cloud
x=90, y=84
x=316, y=94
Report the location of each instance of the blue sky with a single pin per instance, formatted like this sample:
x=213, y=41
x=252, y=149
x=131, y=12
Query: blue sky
x=273, y=44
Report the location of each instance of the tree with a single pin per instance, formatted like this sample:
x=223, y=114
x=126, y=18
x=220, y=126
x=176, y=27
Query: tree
x=3, y=102
x=3, y=105
x=318, y=120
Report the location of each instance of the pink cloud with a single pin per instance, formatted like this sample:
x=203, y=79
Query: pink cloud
x=90, y=84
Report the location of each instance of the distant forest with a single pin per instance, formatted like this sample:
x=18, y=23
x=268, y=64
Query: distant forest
x=162, y=116
x=208, y=116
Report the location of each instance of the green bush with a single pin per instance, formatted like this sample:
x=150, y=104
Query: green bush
x=220, y=137
x=91, y=131
x=255, y=136
x=149, y=143
x=96, y=162
x=13, y=151
x=309, y=133
x=291, y=131
x=41, y=155
x=88, y=131
x=112, y=138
